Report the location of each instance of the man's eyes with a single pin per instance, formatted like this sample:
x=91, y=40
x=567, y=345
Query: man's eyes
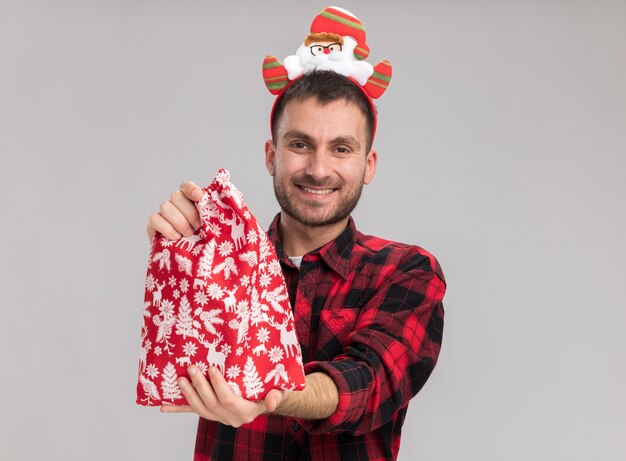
x=343, y=150
x=300, y=145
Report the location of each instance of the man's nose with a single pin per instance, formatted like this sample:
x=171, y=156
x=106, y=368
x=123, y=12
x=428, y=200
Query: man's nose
x=317, y=167
x=326, y=50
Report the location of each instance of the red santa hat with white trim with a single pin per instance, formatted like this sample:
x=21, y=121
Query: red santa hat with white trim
x=342, y=22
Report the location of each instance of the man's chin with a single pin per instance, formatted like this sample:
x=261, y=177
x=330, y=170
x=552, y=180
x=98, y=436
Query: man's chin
x=315, y=220
x=314, y=212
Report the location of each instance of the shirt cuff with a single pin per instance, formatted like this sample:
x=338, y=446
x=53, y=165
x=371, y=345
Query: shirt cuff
x=353, y=380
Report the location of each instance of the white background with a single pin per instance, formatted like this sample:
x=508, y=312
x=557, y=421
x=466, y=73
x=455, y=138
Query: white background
x=502, y=143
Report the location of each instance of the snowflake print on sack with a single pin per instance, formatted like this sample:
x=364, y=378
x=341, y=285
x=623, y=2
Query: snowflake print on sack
x=226, y=349
x=204, y=368
x=150, y=282
x=190, y=349
x=201, y=298
x=152, y=371
x=184, y=285
x=264, y=280
x=252, y=236
x=217, y=298
x=233, y=372
x=225, y=248
x=215, y=291
x=276, y=354
x=274, y=268
x=263, y=335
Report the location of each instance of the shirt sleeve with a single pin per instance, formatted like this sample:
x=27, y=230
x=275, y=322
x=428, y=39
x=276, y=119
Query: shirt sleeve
x=390, y=354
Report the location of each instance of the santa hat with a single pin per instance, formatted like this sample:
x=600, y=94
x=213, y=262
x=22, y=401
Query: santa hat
x=341, y=22
x=217, y=298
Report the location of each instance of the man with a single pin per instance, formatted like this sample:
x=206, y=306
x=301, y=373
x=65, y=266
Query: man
x=368, y=312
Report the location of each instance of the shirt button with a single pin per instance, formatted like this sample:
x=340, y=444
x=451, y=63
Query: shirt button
x=295, y=426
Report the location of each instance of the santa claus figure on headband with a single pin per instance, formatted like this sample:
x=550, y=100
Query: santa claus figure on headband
x=328, y=51
x=336, y=42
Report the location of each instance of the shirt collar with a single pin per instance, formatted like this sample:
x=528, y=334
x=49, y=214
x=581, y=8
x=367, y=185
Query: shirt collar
x=336, y=253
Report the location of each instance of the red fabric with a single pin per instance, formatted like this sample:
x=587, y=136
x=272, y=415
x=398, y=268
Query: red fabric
x=369, y=314
x=217, y=298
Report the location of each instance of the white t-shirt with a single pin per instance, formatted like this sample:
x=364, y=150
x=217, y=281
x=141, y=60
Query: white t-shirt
x=297, y=260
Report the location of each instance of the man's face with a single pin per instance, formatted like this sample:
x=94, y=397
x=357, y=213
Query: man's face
x=318, y=160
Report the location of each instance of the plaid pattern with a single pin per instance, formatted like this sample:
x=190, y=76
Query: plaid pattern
x=369, y=313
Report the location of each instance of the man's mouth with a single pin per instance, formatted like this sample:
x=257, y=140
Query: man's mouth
x=320, y=192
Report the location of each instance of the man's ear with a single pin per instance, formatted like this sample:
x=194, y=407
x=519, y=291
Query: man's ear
x=370, y=166
x=270, y=156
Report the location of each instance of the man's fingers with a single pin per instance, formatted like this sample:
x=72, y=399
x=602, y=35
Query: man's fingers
x=222, y=389
x=216, y=401
x=186, y=207
x=202, y=387
x=198, y=395
x=176, y=409
x=157, y=223
x=191, y=190
x=205, y=395
x=176, y=218
x=239, y=411
x=224, y=393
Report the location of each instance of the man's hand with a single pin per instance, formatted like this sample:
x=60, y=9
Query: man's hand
x=216, y=401
x=178, y=215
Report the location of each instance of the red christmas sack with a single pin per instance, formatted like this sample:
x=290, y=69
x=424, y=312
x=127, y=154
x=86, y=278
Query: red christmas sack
x=217, y=298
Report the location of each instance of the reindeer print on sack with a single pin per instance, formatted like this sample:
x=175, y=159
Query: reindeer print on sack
x=217, y=298
x=188, y=242
x=236, y=230
x=214, y=357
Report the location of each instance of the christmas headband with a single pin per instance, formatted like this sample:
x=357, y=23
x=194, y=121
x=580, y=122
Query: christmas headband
x=336, y=42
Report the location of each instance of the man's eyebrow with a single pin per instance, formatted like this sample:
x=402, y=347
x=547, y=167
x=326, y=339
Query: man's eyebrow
x=351, y=140
x=297, y=134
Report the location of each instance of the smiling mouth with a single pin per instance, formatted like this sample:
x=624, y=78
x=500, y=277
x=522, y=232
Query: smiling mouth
x=320, y=192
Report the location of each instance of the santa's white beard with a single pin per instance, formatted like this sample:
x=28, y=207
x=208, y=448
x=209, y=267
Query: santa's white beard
x=342, y=62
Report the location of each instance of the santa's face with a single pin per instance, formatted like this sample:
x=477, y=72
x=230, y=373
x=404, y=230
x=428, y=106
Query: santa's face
x=318, y=161
x=326, y=55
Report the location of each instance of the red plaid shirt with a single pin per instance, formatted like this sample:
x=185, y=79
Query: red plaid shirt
x=369, y=313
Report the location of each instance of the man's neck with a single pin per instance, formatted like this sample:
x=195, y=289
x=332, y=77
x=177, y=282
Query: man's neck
x=298, y=239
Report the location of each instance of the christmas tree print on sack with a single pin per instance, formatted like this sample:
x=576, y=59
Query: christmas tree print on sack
x=217, y=298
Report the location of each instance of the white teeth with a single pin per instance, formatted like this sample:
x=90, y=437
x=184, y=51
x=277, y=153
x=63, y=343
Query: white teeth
x=317, y=191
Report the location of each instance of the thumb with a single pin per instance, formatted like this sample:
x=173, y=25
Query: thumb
x=273, y=399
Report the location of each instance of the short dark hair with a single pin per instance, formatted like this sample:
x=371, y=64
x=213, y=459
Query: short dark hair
x=326, y=87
